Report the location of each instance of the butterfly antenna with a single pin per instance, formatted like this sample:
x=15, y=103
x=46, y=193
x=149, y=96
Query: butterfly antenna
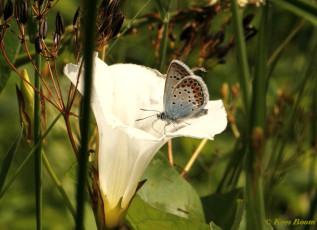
x=145, y=117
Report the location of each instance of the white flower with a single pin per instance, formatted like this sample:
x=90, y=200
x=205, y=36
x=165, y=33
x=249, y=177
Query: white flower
x=126, y=146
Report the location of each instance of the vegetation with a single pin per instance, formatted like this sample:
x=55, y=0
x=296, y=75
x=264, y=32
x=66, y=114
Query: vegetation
x=260, y=59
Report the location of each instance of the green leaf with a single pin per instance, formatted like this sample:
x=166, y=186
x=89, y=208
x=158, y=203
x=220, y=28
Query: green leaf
x=301, y=8
x=7, y=160
x=239, y=222
x=12, y=47
x=167, y=191
x=142, y=216
x=221, y=208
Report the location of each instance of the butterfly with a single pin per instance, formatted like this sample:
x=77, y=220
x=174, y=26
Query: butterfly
x=185, y=94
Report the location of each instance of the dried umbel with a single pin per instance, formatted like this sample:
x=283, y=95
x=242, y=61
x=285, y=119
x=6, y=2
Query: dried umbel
x=8, y=10
x=109, y=21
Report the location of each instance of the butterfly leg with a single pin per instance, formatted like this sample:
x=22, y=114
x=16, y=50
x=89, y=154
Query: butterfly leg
x=166, y=124
x=154, y=128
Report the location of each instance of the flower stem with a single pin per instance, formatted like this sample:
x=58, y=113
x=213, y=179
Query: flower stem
x=89, y=25
x=37, y=153
x=170, y=152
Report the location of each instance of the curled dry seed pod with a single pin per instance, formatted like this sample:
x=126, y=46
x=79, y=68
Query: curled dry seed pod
x=1, y=7
x=43, y=28
x=76, y=16
x=8, y=10
x=113, y=7
x=103, y=8
x=24, y=12
x=117, y=23
x=59, y=24
x=105, y=27
x=38, y=44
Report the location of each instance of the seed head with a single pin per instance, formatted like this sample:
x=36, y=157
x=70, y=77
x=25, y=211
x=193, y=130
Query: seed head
x=24, y=12
x=59, y=24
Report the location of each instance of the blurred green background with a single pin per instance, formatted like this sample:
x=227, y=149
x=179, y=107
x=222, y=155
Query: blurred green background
x=289, y=188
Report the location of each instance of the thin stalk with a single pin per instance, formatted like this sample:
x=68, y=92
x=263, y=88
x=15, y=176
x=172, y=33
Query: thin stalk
x=244, y=76
x=164, y=42
x=254, y=181
x=194, y=157
x=89, y=25
x=170, y=152
x=58, y=184
x=37, y=153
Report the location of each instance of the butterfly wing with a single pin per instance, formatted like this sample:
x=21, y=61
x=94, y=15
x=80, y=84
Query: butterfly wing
x=187, y=99
x=176, y=72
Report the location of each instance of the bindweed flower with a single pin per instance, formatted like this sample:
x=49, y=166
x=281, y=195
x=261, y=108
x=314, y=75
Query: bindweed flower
x=126, y=146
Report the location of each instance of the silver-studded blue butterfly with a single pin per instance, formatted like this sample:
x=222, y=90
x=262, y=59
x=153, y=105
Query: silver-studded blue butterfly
x=185, y=94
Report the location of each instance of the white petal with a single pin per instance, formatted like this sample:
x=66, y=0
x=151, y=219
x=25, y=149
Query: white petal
x=207, y=126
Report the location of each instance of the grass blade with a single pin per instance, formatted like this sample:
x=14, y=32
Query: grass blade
x=7, y=160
